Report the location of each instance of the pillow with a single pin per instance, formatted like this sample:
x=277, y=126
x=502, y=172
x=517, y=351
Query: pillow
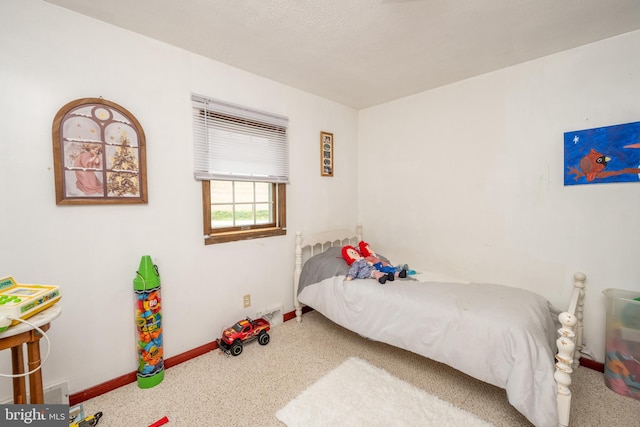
x=322, y=266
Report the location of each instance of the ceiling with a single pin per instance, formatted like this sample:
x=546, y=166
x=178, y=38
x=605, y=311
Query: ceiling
x=366, y=52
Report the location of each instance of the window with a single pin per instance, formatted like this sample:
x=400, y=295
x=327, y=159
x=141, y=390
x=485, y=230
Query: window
x=241, y=157
x=238, y=210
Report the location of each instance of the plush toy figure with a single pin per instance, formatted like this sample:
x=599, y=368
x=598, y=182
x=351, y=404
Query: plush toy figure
x=379, y=264
x=360, y=268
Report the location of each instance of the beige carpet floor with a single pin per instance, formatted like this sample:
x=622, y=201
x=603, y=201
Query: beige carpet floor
x=247, y=390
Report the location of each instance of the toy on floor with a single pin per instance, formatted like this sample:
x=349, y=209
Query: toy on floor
x=161, y=421
x=234, y=337
x=76, y=414
x=90, y=421
x=146, y=286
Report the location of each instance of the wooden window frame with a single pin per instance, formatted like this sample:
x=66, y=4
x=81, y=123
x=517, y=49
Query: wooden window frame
x=232, y=234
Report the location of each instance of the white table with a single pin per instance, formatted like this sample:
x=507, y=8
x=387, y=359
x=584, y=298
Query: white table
x=17, y=336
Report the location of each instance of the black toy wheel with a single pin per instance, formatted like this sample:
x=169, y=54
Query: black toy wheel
x=236, y=348
x=263, y=338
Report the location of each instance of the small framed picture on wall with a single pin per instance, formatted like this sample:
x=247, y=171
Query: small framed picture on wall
x=326, y=154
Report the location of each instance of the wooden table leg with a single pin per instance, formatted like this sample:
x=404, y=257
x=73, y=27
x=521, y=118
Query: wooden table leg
x=35, y=379
x=19, y=383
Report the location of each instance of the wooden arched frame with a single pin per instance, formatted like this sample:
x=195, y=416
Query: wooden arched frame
x=99, y=154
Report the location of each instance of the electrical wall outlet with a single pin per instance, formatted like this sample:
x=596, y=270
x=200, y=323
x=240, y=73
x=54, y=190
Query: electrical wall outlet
x=246, y=300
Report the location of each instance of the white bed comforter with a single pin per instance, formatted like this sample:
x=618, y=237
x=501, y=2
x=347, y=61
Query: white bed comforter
x=501, y=335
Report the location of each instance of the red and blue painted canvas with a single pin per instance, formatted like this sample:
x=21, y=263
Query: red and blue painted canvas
x=602, y=155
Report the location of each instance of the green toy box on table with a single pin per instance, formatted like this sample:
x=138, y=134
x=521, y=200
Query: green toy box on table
x=622, y=360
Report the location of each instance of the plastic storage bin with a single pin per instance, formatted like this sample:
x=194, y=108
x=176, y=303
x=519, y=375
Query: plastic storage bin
x=622, y=359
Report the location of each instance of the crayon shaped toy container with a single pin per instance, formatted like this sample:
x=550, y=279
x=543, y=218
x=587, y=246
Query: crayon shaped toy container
x=148, y=312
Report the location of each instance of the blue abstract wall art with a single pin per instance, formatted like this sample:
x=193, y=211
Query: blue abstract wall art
x=602, y=155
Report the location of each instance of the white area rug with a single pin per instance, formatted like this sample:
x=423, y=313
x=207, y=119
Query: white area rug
x=359, y=394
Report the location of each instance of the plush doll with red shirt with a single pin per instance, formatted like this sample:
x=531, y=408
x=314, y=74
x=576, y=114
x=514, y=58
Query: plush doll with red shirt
x=360, y=268
x=379, y=264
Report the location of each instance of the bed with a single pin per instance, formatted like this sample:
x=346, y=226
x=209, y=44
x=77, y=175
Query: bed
x=506, y=336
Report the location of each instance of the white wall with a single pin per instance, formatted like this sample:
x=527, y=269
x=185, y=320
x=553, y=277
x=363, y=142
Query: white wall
x=465, y=179
x=51, y=56
x=468, y=178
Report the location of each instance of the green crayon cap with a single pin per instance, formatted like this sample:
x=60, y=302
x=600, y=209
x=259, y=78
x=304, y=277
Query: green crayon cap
x=147, y=276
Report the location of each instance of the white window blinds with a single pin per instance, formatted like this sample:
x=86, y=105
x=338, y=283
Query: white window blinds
x=236, y=143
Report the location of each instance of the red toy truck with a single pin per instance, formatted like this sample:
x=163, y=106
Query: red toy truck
x=244, y=331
